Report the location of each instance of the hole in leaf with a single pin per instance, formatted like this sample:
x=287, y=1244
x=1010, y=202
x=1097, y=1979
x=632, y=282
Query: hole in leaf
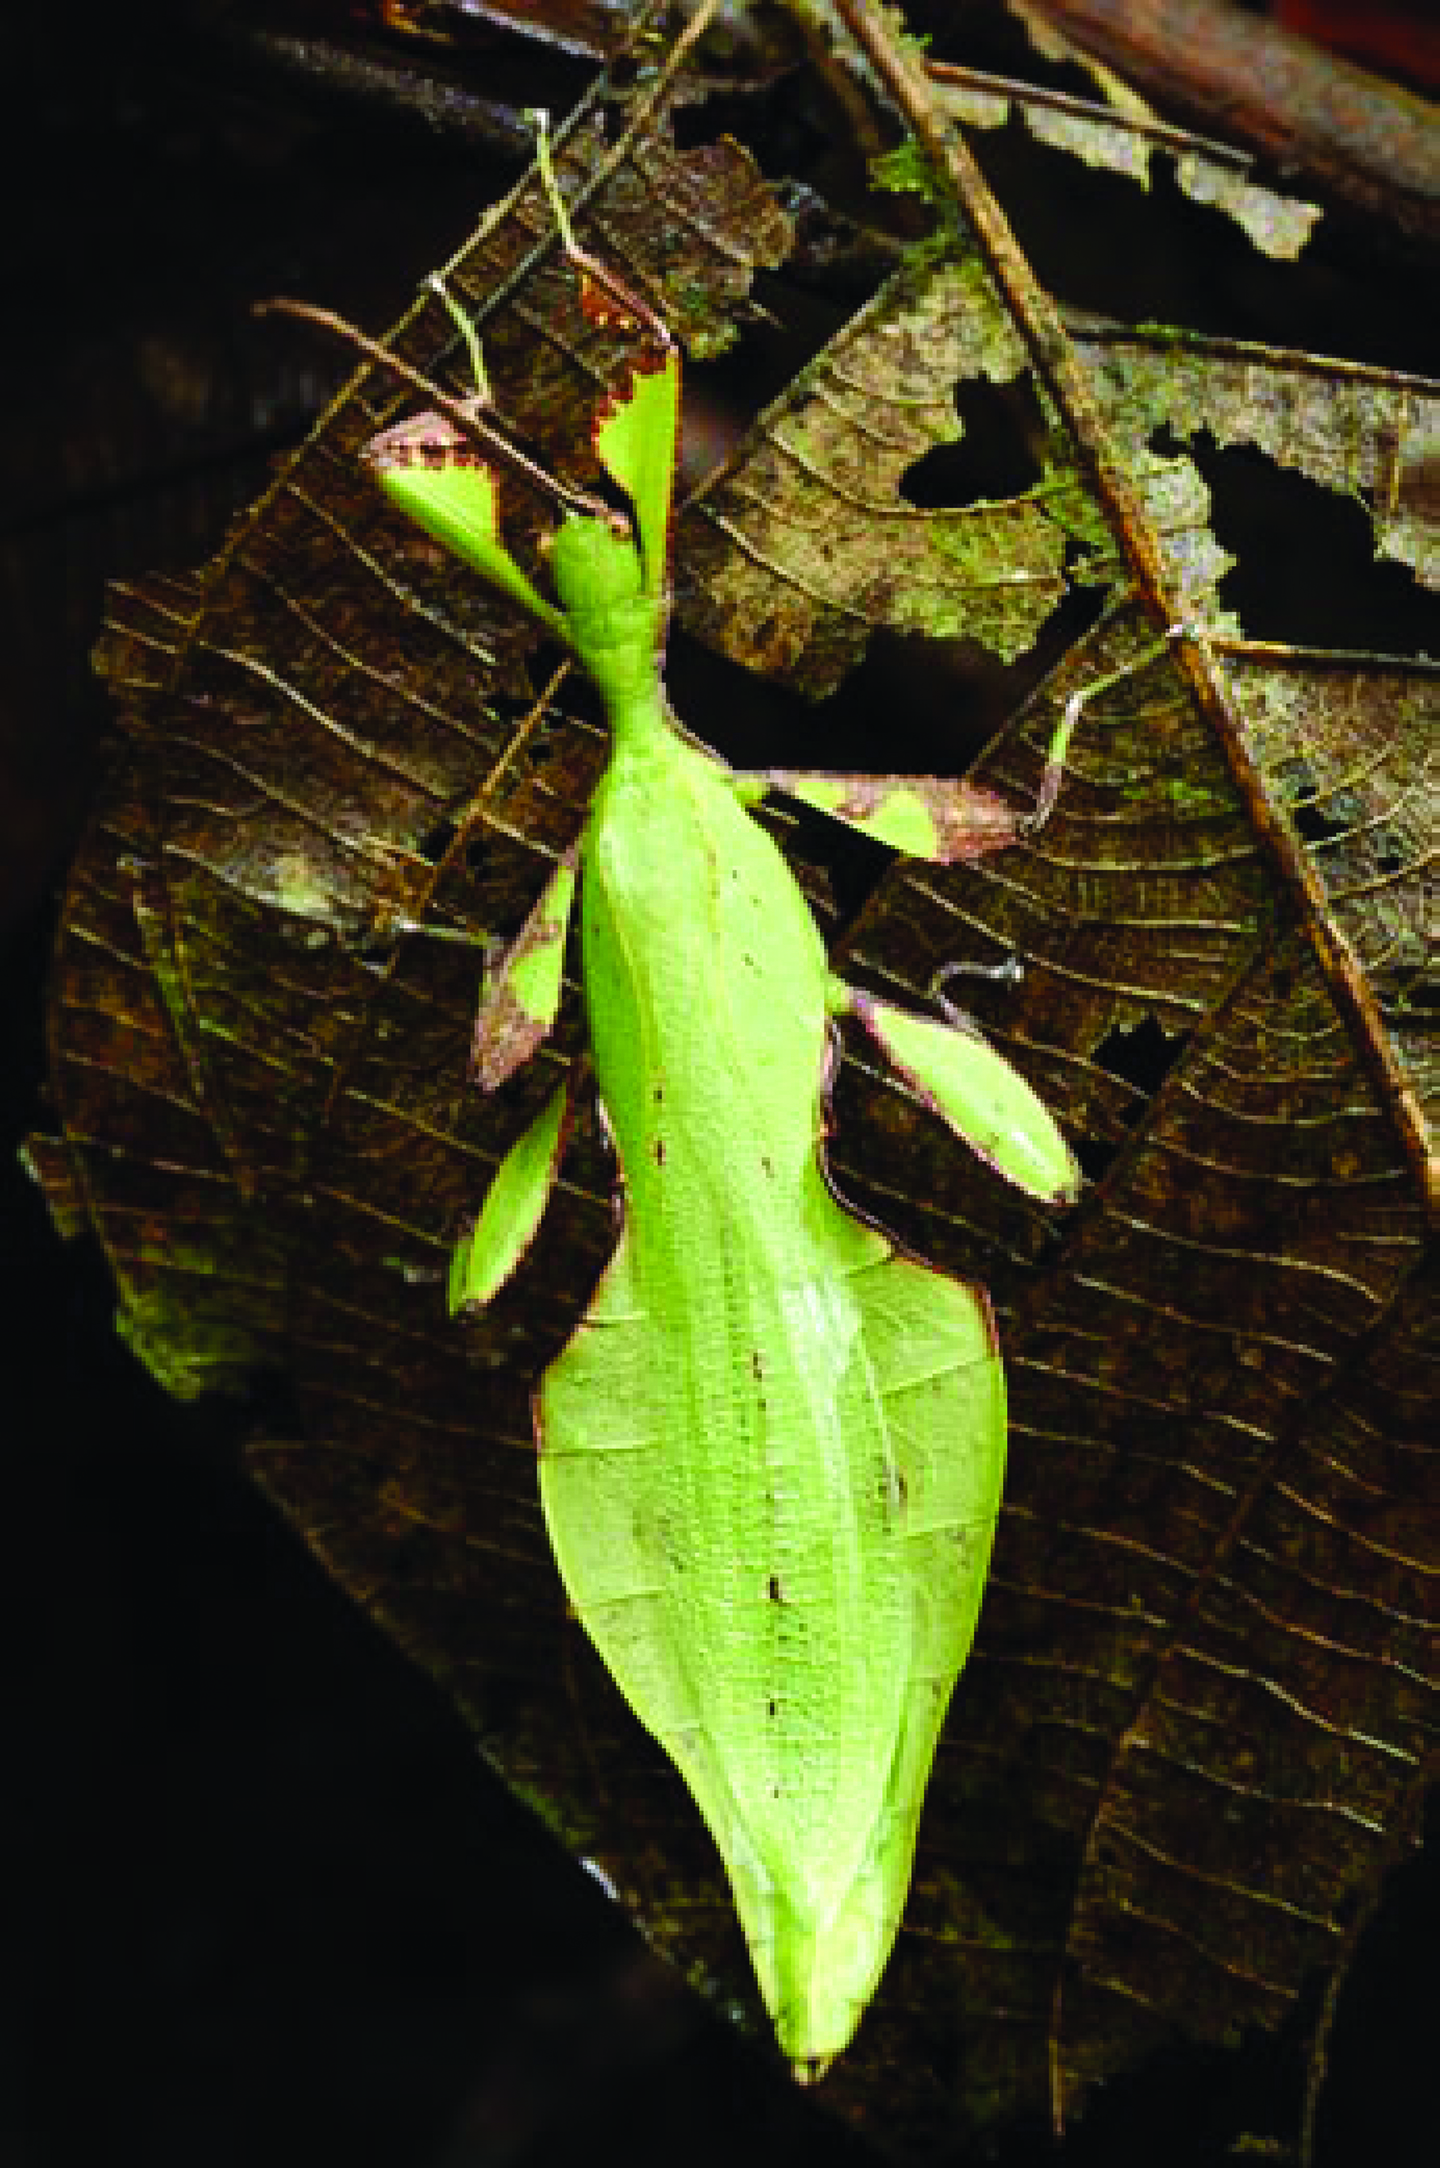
x=1095, y=1158
x=1142, y=1056
x=1315, y=825
x=995, y=455
x=377, y=953
x=1306, y=569
x=621, y=73
x=436, y=841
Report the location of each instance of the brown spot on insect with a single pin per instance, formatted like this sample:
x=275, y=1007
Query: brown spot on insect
x=603, y=310
x=773, y=1589
x=506, y=1035
x=657, y=1151
x=757, y=1365
x=424, y=440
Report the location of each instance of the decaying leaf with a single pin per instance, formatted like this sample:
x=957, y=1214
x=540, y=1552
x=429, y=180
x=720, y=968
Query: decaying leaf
x=807, y=545
x=1207, y=1718
x=1370, y=434
x=1122, y=142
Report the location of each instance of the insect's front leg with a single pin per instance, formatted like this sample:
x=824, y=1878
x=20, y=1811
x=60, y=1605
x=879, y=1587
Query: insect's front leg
x=939, y=817
x=926, y=816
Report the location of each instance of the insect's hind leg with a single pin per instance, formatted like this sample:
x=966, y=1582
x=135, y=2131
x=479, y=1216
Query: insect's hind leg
x=952, y=1069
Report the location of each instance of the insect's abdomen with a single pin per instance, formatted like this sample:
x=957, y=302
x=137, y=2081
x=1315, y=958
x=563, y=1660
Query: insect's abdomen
x=771, y=1453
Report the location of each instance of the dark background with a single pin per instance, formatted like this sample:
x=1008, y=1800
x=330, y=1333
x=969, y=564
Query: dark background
x=261, y=1900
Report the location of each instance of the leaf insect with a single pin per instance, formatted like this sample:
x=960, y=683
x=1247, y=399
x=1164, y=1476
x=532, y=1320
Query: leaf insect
x=771, y=1453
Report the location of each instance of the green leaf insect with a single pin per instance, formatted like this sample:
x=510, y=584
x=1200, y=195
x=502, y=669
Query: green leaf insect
x=771, y=1453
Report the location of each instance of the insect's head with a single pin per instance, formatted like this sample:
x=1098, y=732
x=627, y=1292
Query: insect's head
x=444, y=468
x=594, y=566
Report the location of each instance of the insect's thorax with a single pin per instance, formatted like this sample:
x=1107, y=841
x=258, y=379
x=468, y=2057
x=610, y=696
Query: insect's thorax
x=706, y=981
x=617, y=647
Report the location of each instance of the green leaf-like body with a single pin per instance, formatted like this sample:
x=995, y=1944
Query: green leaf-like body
x=771, y=1454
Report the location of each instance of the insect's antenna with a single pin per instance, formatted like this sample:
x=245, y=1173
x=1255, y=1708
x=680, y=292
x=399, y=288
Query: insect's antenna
x=625, y=299
x=492, y=445
x=469, y=334
x=540, y=115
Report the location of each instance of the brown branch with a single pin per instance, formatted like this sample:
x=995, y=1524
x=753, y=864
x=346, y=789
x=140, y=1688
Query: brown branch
x=1059, y=369
x=947, y=74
